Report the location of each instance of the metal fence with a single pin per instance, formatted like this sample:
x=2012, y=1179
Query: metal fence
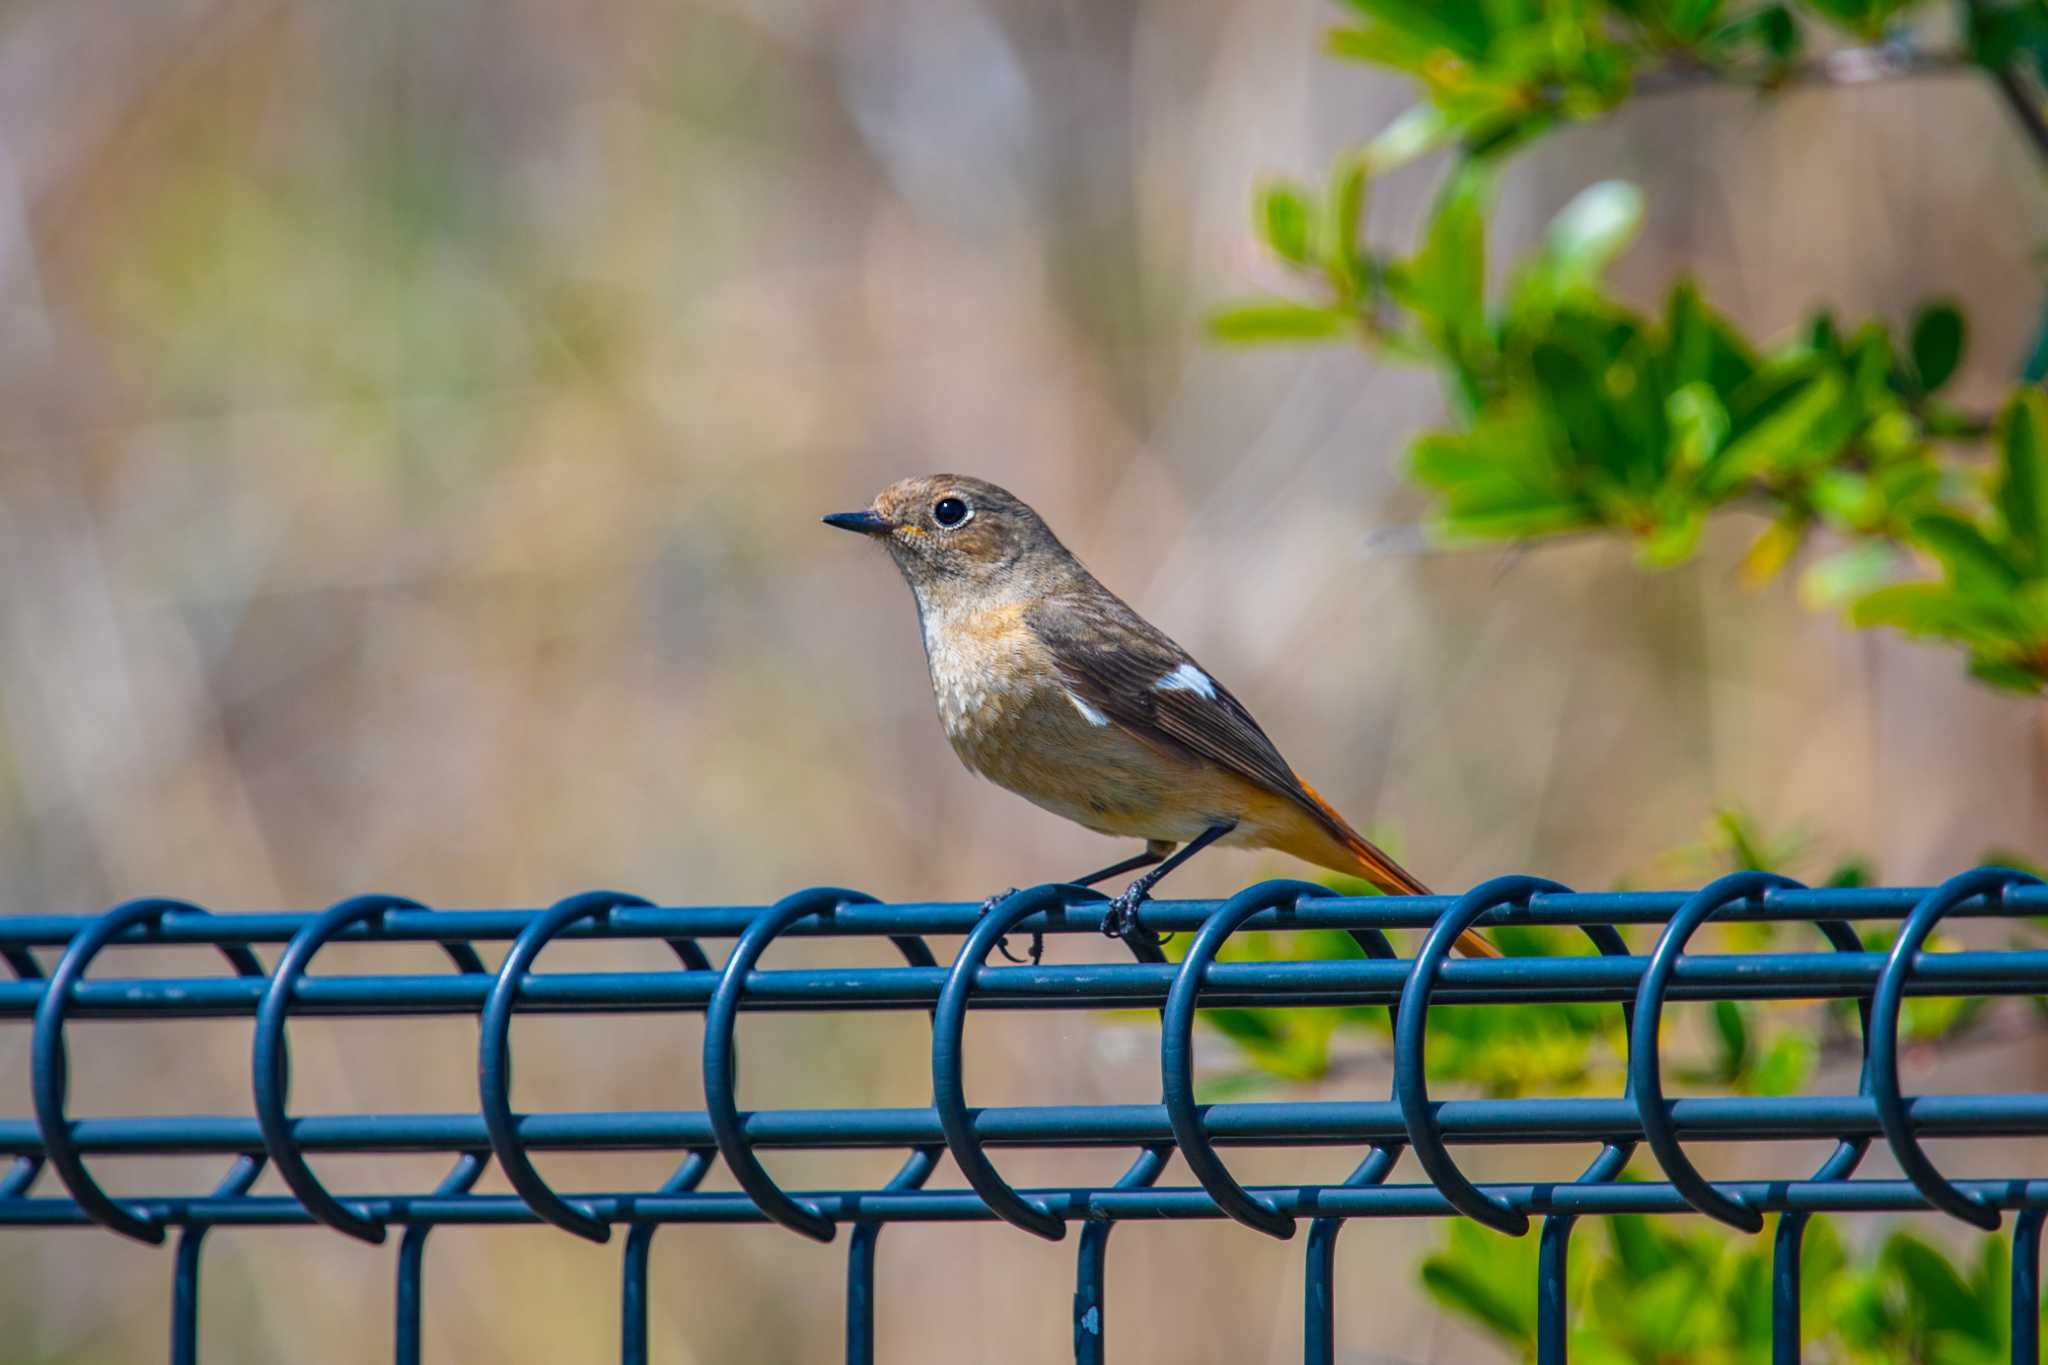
x=50, y=956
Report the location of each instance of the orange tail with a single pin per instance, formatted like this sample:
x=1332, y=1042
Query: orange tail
x=1329, y=842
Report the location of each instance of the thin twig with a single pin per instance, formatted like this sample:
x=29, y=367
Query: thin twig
x=1845, y=66
x=2025, y=106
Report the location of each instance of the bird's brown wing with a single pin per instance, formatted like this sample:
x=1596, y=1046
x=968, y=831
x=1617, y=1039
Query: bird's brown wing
x=1114, y=659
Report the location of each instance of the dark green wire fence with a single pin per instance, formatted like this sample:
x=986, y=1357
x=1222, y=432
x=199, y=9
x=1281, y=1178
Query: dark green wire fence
x=1407, y=1142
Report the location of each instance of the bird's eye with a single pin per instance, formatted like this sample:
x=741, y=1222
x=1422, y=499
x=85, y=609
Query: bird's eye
x=951, y=512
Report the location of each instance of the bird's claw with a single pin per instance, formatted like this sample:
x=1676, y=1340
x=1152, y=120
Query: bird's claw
x=1037, y=949
x=1120, y=920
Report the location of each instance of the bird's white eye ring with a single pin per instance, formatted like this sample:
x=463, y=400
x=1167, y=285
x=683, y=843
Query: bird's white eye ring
x=951, y=513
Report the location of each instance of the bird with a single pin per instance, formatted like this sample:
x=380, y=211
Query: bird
x=1050, y=685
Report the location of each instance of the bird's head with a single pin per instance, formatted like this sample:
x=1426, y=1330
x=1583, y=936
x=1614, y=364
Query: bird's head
x=960, y=538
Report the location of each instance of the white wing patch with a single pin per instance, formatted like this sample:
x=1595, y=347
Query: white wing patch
x=1088, y=713
x=1187, y=678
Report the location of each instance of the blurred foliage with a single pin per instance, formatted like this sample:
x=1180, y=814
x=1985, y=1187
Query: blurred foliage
x=1652, y=1290
x=1574, y=412
x=1661, y=1291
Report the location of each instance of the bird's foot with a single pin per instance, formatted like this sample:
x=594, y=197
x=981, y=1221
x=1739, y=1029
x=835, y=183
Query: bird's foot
x=1037, y=949
x=1120, y=920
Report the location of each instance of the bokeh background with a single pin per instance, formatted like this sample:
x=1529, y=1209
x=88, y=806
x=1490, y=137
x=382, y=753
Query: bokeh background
x=414, y=421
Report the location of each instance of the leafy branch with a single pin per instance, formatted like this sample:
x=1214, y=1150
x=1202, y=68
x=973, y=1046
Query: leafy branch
x=1574, y=412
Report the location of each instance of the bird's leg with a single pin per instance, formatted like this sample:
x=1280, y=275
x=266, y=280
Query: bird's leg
x=1156, y=851
x=1122, y=918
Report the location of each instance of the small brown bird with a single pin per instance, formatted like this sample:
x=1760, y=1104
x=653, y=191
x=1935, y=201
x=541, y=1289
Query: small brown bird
x=1049, y=685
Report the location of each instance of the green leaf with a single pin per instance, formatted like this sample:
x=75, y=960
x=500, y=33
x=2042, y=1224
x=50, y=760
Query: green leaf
x=2023, y=486
x=1937, y=1290
x=1855, y=870
x=1459, y=26
x=1821, y=335
x=1972, y=561
x=1992, y=1283
x=1871, y=365
x=2009, y=677
x=1671, y=542
x=1783, y=1066
x=1378, y=46
x=1821, y=1254
x=1344, y=260
x=1937, y=344
x=1805, y=430
x=1733, y=1031
x=1997, y=34
x=1275, y=321
x=1689, y=20
x=1568, y=368
x=1771, y=551
x=1702, y=348
x=1637, y=1247
x=1771, y=28
x=1251, y=1028
x=1284, y=217
x=1418, y=131
x=1846, y=575
x=1937, y=609
x=1699, y=424
x=1587, y=234
x=1848, y=498
x=1446, y=280
x=1479, y=1275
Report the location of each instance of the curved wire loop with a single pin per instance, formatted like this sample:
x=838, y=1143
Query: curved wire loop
x=494, y=1060
x=1644, y=1075
x=1883, y=1066
x=1176, y=1054
x=949, y=1096
x=270, y=1057
x=185, y=1264
x=720, y=1083
x=494, y=1075
x=412, y=1248
x=1411, y=1087
x=49, y=1070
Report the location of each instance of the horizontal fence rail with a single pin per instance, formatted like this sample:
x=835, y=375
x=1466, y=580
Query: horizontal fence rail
x=51, y=1183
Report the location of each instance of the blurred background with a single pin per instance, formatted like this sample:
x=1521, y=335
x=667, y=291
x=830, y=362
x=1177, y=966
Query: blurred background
x=414, y=422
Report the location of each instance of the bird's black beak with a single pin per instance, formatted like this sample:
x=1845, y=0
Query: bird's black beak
x=867, y=523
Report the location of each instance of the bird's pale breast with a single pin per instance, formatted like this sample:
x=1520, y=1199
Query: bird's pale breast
x=1010, y=717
